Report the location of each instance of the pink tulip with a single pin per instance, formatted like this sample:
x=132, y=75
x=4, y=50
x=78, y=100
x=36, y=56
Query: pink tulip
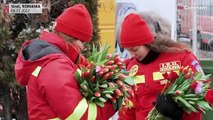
x=97, y=68
x=198, y=88
x=97, y=94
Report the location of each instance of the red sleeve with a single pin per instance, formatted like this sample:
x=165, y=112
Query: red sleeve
x=106, y=112
x=126, y=114
x=192, y=61
x=57, y=84
x=192, y=116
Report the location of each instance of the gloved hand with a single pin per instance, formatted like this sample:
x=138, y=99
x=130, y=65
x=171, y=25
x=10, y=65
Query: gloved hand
x=166, y=106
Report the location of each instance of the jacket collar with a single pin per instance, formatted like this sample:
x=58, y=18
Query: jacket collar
x=60, y=43
x=150, y=57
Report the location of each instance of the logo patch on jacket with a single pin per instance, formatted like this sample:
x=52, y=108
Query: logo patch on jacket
x=197, y=66
x=170, y=66
x=133, y=71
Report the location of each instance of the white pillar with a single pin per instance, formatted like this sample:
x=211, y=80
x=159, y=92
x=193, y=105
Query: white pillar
x=194, y=27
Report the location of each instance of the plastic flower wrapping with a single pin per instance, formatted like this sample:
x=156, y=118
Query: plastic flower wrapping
x=189, y=90
x=104, y=79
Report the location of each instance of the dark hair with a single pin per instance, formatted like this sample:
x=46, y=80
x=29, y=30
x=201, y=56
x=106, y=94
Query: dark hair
x=166, y=44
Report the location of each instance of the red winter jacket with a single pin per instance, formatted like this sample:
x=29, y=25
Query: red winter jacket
x=150, y=83
x=47, y=66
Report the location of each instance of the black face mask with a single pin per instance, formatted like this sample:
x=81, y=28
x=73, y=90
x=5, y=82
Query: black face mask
x=150, y=57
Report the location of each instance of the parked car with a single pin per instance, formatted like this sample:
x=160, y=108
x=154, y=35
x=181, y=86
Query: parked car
x=206, y=37
x=185, y=39
x=210, y=43
x=203, y=39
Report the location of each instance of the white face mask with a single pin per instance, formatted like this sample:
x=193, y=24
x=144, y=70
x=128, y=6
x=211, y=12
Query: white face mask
x=78, y=45
x=74, y=46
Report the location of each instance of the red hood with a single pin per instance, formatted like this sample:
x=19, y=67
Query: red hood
x=24, y=68
x=59, y=42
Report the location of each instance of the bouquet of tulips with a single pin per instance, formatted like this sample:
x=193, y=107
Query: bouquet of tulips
x=105, y=78
x=190, y=91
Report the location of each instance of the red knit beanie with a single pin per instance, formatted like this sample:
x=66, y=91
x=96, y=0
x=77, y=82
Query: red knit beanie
x=75, y=21
x=135, y=31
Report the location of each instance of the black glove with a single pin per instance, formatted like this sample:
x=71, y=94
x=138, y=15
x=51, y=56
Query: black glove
x=167, y=107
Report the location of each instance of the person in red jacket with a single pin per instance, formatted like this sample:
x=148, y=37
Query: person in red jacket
x=46, y=66
x=151, y=56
